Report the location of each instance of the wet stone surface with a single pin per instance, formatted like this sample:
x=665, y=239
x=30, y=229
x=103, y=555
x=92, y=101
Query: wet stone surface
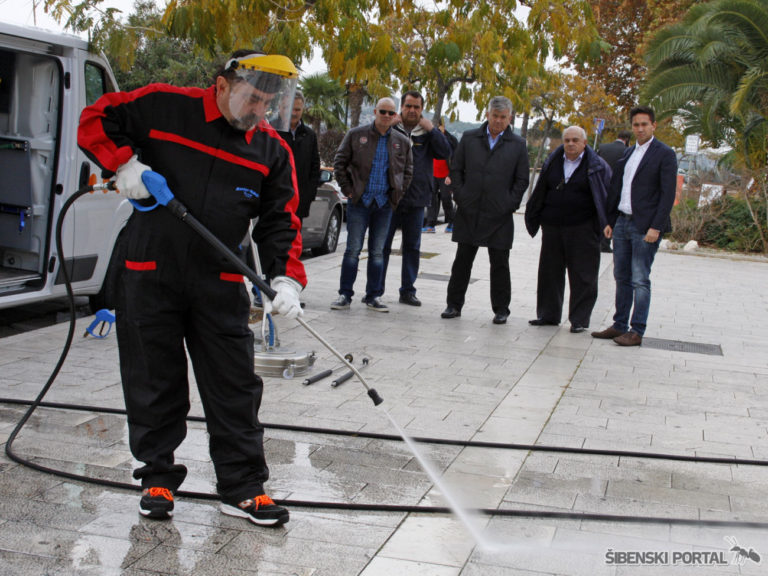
x=457, y=379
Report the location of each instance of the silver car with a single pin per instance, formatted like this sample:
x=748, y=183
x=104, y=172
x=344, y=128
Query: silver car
x=322, y=227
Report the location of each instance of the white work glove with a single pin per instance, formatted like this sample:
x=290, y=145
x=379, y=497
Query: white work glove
x=128, y=179
x=286, y=301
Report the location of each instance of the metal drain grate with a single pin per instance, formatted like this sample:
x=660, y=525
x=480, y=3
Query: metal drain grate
x=422, y=255
x=440, y=277
x=680, y=346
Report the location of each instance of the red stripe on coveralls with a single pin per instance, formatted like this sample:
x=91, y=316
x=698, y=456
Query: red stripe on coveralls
x=229, y=277
x=141, y=266
x=221, y=154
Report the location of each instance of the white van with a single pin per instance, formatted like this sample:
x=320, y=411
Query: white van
x=46, y=79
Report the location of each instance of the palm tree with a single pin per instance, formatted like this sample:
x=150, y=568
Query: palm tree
x=324, y=99
x=711, y=70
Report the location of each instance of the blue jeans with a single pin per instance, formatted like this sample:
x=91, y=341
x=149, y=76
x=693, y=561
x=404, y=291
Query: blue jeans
x=360, y=218
x=632, y=260
x=411, y=221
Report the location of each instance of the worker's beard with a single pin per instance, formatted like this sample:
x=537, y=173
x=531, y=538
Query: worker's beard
x=244, y=123
x=241, y=116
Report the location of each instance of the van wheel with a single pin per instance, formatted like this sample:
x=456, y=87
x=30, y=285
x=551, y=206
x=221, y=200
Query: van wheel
x=332, y=233
x=107, y=296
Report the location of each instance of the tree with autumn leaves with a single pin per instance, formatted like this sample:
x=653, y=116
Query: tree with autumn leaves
x=450, y=49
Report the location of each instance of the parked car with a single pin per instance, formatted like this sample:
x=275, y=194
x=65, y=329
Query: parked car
x=322, y=227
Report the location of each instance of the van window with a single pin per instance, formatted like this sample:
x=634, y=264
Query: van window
x=97, y=83
x=7, y=72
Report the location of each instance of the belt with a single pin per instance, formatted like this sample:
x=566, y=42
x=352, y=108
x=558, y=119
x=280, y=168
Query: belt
x=624, y=215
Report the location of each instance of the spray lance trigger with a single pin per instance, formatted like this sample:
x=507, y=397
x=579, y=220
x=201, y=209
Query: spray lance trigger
x=103, y=318
x=158, y=187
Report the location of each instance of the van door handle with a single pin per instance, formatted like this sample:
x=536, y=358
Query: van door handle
x=85, y=173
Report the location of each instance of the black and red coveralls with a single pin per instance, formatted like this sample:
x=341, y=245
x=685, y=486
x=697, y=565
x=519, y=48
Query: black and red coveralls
x=175, y=290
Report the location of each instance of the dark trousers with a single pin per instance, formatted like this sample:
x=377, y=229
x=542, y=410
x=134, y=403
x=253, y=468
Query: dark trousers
x=575, y=249
x=501, y=285
x=155, y=320
x=410, y=221
x=442, y=195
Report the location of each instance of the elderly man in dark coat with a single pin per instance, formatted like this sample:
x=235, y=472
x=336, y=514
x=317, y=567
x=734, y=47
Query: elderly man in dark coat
x=489, y=172
x=568, y=204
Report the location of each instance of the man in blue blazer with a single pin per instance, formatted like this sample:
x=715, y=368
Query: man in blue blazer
x=640, y=201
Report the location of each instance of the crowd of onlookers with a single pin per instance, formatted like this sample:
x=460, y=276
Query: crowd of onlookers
x=400, y=169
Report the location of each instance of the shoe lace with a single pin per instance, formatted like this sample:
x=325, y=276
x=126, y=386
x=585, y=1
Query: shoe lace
x=262, y=500
x=157, y=491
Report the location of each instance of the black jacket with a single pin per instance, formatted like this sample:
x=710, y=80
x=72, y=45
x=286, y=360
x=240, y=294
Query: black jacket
x=225, y=177
x=598, y=174
x=612, y=152
x=425, y=147
x=488, y=187
x=653, y=188
x=306, y=158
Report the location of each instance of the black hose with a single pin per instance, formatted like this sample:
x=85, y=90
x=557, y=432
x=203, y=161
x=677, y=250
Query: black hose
x=405, y=508
x=38, y=401
x=435, y=441
x=70, y=334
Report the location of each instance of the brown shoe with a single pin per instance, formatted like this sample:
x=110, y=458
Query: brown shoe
x=629, y=339
x=608, y=334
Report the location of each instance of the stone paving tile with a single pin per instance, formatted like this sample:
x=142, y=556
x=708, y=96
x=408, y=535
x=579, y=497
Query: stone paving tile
x=19, y=564
x=449, y=545
x=336, y=557
x=381, y=566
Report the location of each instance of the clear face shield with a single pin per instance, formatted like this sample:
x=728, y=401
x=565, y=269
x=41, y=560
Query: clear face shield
x=263, y=88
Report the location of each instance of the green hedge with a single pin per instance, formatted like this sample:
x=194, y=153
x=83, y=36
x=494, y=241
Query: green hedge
x=725, y=223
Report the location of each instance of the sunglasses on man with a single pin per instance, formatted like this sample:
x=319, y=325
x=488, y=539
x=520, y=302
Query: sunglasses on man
x=386, y=112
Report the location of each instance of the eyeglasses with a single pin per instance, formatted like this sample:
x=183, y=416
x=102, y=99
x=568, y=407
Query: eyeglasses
x=387, y=112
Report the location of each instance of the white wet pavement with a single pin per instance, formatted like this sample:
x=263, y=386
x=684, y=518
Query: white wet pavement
x=464, y=379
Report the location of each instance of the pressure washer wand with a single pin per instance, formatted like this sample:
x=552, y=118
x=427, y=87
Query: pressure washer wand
x=158, y=187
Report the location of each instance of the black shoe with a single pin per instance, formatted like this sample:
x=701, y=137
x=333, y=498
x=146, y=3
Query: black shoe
x=156, y=503
x=260, y=510
x=410, y=299
x=542, y=322
x=576, y=329
x=376, y=305
x=341, y=303
x=451, y=312
x=500, y=318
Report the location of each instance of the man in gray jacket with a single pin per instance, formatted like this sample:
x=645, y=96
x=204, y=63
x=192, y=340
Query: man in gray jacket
x=374, y=167
x=489, y=172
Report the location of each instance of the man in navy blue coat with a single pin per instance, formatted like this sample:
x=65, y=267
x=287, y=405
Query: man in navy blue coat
x=639, y=204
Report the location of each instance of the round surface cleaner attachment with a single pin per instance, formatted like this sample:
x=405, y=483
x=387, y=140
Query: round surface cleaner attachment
x=282, y=363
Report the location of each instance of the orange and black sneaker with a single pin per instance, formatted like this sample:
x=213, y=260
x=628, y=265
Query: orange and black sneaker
x=260, y=510
x=156, y=503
